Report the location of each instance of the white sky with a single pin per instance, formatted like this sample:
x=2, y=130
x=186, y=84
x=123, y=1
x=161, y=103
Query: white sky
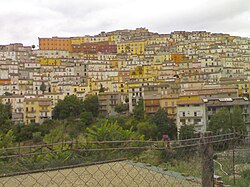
x=25, y=20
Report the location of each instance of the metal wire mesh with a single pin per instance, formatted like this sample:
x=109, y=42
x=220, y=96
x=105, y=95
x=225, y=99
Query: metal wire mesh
x=128, y=163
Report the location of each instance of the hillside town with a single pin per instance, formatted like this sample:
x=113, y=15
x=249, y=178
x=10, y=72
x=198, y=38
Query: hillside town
x=189, y=74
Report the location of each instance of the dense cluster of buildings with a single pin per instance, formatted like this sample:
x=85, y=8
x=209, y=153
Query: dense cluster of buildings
x=189, y=74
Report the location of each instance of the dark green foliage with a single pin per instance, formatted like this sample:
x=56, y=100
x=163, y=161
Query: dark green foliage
x=148, y=129
x=71, y=106
x=160, y=118
x=120, y=119
x=5, y=117
x=6, y=140
x=164, y=125
x=25, y=132
x=130, y=123
x=246, y=178
x=91, y=104
x=220, y=122
x=56, y=134
x=237, y=120
x=47, y=125
x=111, y=131
x=37, y=137
x=172, y=130
x=126, y=99
x=121, y=108
x=223, y=121
x=138, y=111
x=86, y=118
x=186, y=132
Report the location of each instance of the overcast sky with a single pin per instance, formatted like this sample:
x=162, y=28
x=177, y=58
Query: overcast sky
x=25, y=20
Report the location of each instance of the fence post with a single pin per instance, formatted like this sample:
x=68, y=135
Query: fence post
x=19, y=148
x=207, y=160
x=30, y=149
x=234, y=154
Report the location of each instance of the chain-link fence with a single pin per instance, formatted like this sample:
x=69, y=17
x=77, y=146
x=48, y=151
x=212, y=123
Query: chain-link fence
x=204, y=161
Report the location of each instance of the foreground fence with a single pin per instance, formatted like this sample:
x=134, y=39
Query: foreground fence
x=204, y=161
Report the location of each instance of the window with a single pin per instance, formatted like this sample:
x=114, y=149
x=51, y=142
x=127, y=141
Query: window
x=195, y=113
x=166, y=104
x=183, y=114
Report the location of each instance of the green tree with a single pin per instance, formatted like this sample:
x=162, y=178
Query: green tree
x=86, y=118
x=111, y=131
x=148, y=129
x=37, y=137
x=237, y=119
x=5, y=117
x=223, y=121
x=91, y=104
x=220, y=121
x=25, y=132
x=55, y=135
x=121, y=108
x=6, y=140
x=72, y=128
x=138, y=111
x=164, y=125
x=70, y=106
x=187, y=131
x=47, y=125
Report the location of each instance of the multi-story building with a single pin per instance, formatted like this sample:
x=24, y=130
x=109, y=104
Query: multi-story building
x=36, y=110
x=132, y=47
x=191, y=112
x=166, y=70
x=55, y=43
x=109, y=100
x=212, y=105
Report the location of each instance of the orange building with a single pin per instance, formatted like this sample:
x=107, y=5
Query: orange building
x=5, y=81
x=176, y=57
x=55, y=43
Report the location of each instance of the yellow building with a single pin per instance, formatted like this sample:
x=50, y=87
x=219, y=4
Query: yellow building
x=77, y=40
x=112, y=39
x=191, y=96
x=48, y=61
x=138, y=71
x=157, y=40
x=133, y=47
x=243, y=89
x=122, y=87
x=144, y=71
x=169, y=103
x=36, y=110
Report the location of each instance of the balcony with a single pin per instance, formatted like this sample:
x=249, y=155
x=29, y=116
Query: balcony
x=189, y=116
x=30, y=111
x=44, y=110
x=44, y=104
x=30, y=116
